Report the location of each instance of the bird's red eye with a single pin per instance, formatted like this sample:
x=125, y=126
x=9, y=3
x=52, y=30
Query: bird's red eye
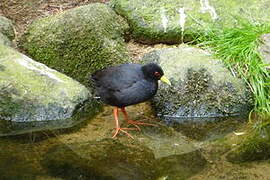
x=157, y=74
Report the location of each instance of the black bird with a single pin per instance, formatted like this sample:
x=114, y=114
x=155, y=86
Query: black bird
x=125, y=85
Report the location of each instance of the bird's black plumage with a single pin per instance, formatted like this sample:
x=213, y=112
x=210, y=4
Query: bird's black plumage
x=127, y=84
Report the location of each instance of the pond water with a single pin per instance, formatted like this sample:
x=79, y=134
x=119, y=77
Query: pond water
x=87, y=151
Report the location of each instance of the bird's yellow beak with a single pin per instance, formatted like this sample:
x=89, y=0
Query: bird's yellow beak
x=164, y=79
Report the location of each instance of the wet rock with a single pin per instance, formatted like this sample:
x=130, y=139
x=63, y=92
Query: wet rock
x=79, y=41
x=175, y=157
x=34, y=97
x=168, y=21
x=265, y=49
x=201, y=86
x=6, y=28
x=159, y=152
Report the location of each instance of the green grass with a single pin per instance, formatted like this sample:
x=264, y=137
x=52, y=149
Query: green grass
x=238, y=48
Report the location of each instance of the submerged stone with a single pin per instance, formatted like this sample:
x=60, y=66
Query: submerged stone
x=201, y=86
x=160, y=152
x=78, y=41
x=105, y=159
x=209, y=129
x=174, y=21
x=34, y=97
x=254, y=146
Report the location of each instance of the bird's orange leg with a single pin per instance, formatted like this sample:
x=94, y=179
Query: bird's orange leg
x=127, y=119
x=135, y=123
x=115, y=113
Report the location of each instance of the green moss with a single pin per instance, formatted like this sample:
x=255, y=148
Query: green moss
x=78, y=42
x=254, y=147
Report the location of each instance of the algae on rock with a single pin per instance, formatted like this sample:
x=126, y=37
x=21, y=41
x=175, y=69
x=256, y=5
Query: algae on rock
x=252, y=147
x=201, y=85
x=79, y=41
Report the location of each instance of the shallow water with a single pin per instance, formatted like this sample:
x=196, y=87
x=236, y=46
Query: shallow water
x=88, y=152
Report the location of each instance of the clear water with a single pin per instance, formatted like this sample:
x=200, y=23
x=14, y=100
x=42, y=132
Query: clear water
x=88, y=152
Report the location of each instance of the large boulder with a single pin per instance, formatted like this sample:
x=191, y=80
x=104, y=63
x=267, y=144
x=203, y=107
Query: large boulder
x=79, y=41
x=35, y=97
x=6, y=31
x=168, y=21
x=202, y=87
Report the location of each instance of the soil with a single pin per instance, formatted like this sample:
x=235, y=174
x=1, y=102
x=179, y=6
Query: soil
x=23, y=12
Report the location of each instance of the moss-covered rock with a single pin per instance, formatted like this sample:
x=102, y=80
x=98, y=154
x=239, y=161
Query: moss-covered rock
x=6, y=28
x=35, y=97
x=4, y=40
x=201, y=86
x=168, y=21
x=79, y=41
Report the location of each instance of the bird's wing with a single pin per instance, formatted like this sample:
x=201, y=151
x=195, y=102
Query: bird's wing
x=118, y=78
x=138, y=92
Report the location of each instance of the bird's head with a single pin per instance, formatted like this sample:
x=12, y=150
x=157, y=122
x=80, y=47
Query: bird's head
x=154, y=71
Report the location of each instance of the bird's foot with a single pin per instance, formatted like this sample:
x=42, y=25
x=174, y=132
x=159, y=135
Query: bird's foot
x=136, y=123
x=137, y=127
x=123, y=130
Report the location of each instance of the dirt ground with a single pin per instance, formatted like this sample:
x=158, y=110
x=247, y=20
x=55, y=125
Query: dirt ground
x=23, y=12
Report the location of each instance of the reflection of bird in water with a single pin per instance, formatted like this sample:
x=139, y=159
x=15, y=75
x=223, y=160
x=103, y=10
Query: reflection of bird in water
x=125, y=85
